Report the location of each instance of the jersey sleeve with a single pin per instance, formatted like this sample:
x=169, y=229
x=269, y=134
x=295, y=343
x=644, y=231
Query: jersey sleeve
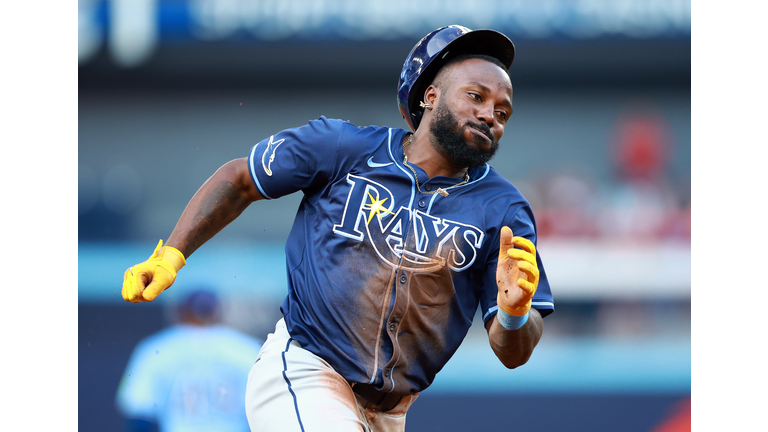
x=523, y=225
x=295, y=159
x=137, y=394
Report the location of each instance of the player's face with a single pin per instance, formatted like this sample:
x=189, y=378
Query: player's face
x=449, y=135
x=472, y=112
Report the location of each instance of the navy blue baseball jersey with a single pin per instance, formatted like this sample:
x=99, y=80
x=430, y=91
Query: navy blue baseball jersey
x=384, y=280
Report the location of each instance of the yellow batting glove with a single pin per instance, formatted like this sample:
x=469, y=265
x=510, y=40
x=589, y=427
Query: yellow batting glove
x=517, y=274
x=143, y=282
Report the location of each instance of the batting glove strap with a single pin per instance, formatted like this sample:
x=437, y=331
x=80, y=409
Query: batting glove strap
x=516, y=311
x=511, y=322
x=171, y=255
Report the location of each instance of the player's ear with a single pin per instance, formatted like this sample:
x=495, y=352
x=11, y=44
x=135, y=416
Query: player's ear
x=431, y=95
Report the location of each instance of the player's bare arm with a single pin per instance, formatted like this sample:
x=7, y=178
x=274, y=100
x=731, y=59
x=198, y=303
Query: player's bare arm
x=219, y=201
x=517, y=328
x=514, y=347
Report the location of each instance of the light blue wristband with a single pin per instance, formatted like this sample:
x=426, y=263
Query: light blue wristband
x=511, y=322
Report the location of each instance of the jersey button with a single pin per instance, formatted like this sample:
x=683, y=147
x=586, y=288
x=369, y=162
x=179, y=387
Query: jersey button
x=422, y=204
x=428, y=188
x=392, y=326
x=386, y=372
x=403, y=279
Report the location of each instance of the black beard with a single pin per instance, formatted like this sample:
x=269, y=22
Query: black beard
x=449, y=140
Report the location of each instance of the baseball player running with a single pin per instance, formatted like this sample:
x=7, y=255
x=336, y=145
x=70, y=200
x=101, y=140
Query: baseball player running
x=399, y=237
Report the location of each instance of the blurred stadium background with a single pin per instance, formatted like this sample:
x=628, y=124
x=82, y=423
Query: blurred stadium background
x=602, y=123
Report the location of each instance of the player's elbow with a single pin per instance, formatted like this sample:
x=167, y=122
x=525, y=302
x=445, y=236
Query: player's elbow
x=236, y=173
x=514, y=361
x=513, y=353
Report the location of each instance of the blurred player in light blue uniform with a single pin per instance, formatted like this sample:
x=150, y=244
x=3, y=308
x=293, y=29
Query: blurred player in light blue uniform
x=190, y=376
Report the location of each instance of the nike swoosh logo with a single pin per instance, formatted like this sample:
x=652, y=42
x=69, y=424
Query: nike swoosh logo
x=373, y=164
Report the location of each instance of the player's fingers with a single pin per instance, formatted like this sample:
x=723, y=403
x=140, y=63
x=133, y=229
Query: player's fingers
x=524, y=244
x=521, y=255
x=127, y=285
x=135, y=281
x=161, y=280
x=505, y=242
x=131, y=288
x=530, y=270
x=151, y=291
x=526, y=286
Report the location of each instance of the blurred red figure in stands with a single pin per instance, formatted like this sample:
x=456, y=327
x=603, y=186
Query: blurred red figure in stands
x=642, y=205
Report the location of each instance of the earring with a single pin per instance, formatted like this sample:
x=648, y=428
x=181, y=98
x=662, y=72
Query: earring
x=425, y=105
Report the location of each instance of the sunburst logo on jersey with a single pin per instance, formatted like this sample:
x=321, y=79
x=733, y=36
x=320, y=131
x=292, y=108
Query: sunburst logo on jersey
x=375, y=207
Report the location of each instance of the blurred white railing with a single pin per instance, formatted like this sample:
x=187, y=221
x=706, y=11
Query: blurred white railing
x=576, y=270
x=607, y=270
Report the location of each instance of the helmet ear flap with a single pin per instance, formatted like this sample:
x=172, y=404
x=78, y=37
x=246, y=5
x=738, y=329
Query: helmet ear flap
x=432, y=52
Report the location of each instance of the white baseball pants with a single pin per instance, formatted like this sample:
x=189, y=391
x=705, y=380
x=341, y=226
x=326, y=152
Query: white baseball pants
x=292, y=390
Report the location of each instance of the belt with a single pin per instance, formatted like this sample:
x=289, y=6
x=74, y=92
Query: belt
x=382, y=400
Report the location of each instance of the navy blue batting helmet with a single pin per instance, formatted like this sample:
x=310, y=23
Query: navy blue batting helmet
x=201, y=303
x=433, y=51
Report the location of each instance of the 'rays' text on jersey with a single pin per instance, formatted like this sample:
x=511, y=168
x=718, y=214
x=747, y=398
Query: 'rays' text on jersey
x=411, y=239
